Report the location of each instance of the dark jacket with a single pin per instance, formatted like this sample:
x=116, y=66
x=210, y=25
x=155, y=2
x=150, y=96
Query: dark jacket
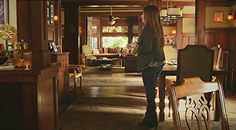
x=150, y=49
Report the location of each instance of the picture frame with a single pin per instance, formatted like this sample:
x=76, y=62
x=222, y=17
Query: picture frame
x=3, y=11
x=218, y=16
x=53, y=47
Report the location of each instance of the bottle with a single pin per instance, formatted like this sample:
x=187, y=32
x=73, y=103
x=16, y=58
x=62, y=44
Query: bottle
x=27, y=54
x=18, y=54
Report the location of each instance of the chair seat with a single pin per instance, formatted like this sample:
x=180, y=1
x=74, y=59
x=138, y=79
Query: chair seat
x=77, y=75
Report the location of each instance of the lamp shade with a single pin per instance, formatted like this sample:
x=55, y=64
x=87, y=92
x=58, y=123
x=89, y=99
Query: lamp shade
x=163, y=13
x=230, y=17
x=175, y=11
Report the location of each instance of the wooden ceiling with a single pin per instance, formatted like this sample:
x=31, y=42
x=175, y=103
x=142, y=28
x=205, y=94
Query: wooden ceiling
x=122, y=7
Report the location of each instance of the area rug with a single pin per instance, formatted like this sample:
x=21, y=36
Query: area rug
x=115, y=101
x=113, y=113
x=115, y=77
x=112, y=81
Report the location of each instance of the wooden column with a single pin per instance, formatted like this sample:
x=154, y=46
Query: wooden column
x=200, y=21
x=32, y=27
x=83, y=34
x=72, y=44
x=179, y=34
x=158, y=4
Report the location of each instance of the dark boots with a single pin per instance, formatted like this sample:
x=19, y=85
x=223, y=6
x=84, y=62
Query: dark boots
x=150, y=120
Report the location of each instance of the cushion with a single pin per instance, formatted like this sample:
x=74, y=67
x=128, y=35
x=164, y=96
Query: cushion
x=101, y=50
x=105, y=50
x=119, y=50
x=95, y=51
x=111, y=50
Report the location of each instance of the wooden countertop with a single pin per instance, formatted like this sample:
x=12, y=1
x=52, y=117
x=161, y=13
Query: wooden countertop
x=11, y=74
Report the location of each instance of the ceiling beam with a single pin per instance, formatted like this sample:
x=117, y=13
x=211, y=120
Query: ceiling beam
x=113, y=2
x=177, y=3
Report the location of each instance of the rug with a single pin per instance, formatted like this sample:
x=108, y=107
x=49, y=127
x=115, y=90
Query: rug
x=116, y=77
x=115, y=101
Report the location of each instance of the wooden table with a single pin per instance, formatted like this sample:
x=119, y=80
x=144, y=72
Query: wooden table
x=170, y=70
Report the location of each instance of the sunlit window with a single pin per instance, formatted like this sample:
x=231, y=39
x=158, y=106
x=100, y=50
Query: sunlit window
x=93, y=33
x=115, y=42
x=115, y=29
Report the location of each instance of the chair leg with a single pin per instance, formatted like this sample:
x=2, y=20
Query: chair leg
x=75, y=86
x=169, y=106
x=81, y=86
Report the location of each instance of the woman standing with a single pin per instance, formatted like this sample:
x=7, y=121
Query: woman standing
x=150, y=60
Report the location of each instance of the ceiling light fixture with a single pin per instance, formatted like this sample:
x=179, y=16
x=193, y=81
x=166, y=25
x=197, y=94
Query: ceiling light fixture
x=112, y=19
x=171, y=14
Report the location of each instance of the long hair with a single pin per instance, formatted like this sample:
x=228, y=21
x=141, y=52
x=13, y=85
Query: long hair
x=152, y=19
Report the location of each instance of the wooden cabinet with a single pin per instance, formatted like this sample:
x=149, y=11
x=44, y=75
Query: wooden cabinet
x=28, y=98
x=62, y=76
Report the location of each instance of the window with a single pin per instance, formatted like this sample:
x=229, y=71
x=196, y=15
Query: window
x=115, y=36
x=115, y=42
x=115, y=29
x=93, y=33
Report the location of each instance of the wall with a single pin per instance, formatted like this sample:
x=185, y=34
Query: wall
x=168, y=29
x=186, y=27
x=12, y=13
x=188, y=24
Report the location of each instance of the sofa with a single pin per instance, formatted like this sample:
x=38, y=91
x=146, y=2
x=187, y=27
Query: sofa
x=107, y=52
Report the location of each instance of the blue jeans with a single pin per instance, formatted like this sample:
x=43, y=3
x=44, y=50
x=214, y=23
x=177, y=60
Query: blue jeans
x=149, y=76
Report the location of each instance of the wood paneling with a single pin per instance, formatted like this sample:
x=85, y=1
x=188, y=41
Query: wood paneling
x=232, y=49
x=28, y=99
x=200, y=21
x=215, y=3
x=213, y=37
x=31, y=22
x=11, y=98
x=63, y=74
x=178, y=3
x=111, y=2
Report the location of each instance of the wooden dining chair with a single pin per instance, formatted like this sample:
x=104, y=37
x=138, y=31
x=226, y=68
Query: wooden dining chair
x=197, y=114
x=195, y=60
x=77, y=75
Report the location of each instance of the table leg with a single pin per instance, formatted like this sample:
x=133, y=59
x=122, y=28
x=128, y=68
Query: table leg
x=221, y=79
x=162, y=97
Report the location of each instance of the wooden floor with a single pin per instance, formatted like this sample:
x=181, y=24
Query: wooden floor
x=115, y=100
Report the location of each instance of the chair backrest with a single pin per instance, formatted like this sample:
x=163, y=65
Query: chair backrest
x=197, y=110
x=195, y=60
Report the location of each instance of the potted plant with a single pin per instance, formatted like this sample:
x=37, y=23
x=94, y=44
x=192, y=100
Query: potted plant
x=7, y=32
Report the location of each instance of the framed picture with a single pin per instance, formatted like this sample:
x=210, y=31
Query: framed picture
x=53, y=47
x=3, y=11
x=218, y=16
